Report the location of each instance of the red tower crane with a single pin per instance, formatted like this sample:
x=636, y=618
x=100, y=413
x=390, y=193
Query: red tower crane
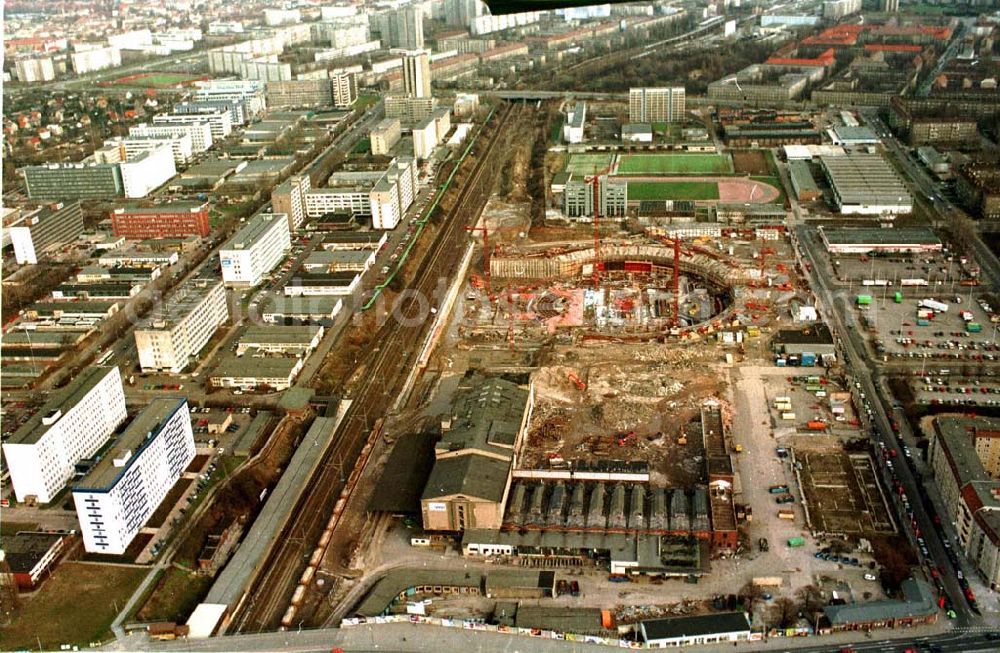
x=675, y=282
x=595, y=182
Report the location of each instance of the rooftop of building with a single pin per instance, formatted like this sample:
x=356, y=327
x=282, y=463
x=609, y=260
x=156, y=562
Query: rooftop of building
x=818, y=334
x=129, y=445
x=637, y=128
x=254, y=229
x=876, y=235
x=179, y=305
x=249, y=366
x=213, y=168
x=73, y=306
x=865, y=178
x=855, y=133
x=336, y=279
x=264, y=168
x=170, y=207
x=352, y=237
x=918, y=601
x=302, y=305
x=25, y=549
x=956, y=436
x=486, y=415
x=520, y=579
x=279, y=334
x=62, y=399
x=702, y=624
x=481, y=477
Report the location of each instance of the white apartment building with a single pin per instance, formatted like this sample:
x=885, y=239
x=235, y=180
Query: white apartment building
x=289, y=198
x=73, y=424
x=656, y=104
x=385, y=135
x=249, y=93
x=122, y=491
x=321, y=201
x=573, y=128
x=200, y=133
x=424, y=138
x=180, y=146
x=417, y=73
x=173, y=335
x=147, y=171
x=35, y=69
x=393, y=194
x=255, y=249
x=220, y=122
x=88, y=61
x=345, y=88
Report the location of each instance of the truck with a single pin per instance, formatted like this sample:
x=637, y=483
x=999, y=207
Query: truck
x=966, y=316
x=778, y=489
x=808, y=359
x=796, y=541
x=934, y=305
x=788, y=416
x=816, y=425
x=925, y=313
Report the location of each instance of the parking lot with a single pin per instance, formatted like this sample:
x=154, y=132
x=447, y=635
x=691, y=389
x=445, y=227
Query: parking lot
x=930, y=272
x=815, y=403
x=956, y=391
x=899, y=331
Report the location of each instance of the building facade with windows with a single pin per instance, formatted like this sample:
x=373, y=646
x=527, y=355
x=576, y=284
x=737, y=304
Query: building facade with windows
x=656, y=104
x=72, y=425
x=200, y=133
x=171, y=337
x=161, y=221
x=255, y=249
x=44, y=229
x=122, y=491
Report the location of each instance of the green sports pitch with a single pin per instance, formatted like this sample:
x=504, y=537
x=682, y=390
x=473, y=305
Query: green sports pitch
x=588, y=164
x=672, y=190
x=675, y=164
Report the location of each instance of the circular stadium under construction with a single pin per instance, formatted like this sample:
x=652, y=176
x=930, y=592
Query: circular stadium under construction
x=640, y=286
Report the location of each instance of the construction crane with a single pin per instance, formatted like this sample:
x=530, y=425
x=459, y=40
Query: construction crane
x=595, y=182
x=486, y=256
x=675, y=282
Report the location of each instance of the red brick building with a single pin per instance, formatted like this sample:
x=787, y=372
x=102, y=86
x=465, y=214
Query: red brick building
x=164, y=221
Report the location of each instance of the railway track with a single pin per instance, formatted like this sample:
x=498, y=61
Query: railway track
x=386, y=368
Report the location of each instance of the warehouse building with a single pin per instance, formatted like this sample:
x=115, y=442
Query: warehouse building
x=72, y=425
x=803, y=184
x=45, y=229
x=469, y=482
x=161, y=221
x=176, y=331
x=256, y=249
x=122, y=491
x=965, y=455
x=255, y=370
x=899, y=240
x=866, y=184
x=287, y=340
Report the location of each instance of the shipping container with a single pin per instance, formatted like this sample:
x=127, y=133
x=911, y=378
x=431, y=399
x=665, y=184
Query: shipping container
x=973, y=327
x=780, y=362
x=796, y=541
x=923, y=322
x=788, y=416
x=786, y=514
x=898, y=298
x=778, y=489
x=816, y=425
x=808, y=359
x=783, y=399
x=864, y=300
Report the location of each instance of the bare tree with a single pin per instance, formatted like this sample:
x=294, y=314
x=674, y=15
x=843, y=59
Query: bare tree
x=786, y=612
x=750, y=593
x=810, y=600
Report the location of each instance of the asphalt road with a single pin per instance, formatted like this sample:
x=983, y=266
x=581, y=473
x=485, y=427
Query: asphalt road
x=852, y=349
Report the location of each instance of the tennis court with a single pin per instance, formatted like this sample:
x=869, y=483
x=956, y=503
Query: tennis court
x=588, y=164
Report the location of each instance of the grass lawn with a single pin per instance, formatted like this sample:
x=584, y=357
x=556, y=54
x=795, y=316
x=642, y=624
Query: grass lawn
x=175, y=596
x=675, y=164
x=555, y=134
x=75, y=606
x=673, y=190
x=363, y=146
x=12, y=527
x=776, y=182
x=587, y=164
x=169, y=79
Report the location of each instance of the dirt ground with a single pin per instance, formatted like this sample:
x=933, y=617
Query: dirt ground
x=751, y=162
x=653, y=391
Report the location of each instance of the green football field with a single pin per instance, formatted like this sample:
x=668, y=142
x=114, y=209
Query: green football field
x=672, y=190
x=675, y=164
x=588, y=164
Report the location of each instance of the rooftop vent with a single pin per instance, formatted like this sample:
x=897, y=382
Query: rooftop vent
x=122, y=458
x=52, y=417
